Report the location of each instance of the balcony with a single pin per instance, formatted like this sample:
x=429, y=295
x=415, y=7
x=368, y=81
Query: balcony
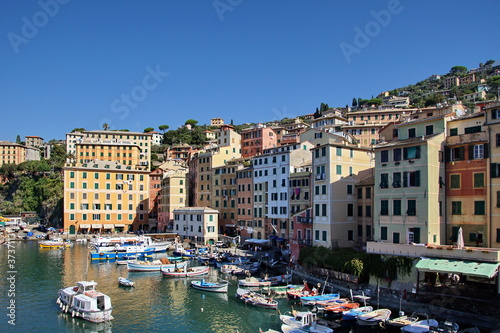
x=305, y=219
x=305, y=242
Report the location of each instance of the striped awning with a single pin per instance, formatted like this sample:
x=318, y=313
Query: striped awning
x=84, y=226
x=96, y=226
x=108, y=226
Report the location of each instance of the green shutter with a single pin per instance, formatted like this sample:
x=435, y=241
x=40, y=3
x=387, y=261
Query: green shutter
x=405, y=179
x=417, y=178
x=493, y=170
x=486, y=148
x=471, y=152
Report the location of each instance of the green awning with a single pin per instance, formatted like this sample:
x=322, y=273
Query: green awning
x=472, y=268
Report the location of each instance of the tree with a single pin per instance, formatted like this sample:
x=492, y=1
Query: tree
x=78, y=129
x=458, y=70
x=354, y=102
x=375, y=101
x=105, y=126
x=163, y=128
x=149, y=129
x=489, y=62
x=18, y=139
x=191, y=122
x=494, y=84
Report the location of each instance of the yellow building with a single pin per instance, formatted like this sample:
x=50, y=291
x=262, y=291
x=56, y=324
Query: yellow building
x=173, y=195
x=105, y=196
x=14, y=153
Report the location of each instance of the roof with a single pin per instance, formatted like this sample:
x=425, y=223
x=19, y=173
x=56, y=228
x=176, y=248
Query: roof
x=472, y=268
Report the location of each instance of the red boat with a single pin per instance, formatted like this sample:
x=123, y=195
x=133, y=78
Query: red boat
x=341, y=307
x=297, y=294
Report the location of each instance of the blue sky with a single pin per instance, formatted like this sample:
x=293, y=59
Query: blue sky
x=138, y=64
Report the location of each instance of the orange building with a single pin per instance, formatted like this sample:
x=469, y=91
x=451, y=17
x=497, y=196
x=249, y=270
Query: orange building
x=255, y=139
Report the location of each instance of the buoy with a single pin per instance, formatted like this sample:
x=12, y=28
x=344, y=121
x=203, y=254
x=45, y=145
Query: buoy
x=201, y=309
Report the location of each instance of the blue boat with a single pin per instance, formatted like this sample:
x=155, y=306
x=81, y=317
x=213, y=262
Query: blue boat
x=311, y=300
x=354, y=313
x=94, y=255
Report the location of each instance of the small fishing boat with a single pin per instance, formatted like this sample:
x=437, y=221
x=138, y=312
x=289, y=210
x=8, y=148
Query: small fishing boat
x=255, y=299
x=420, y=326
x=125, y=282
x=354, y=313
x=300, y=319
x=216, y=287
x=185, y=271
x=447, y=326
x=251, y=281
x=84, y=301
x=374, y=317
x=402, y=320
x=305, y=291
x=153, y=266
x=314, y=328
x=280, y=291
x=54, y=243
x=339, y=308
x=124, y=262
x=311, y=300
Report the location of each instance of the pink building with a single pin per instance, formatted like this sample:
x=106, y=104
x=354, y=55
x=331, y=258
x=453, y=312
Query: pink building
x=254, y=140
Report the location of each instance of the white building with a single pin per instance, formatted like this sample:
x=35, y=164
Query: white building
x=197, y=223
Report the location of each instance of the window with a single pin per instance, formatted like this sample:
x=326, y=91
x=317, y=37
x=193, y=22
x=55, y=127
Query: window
x=396, y=154
x=316, y=209
x=350, y=210
x=396, y=179
x=479, y=180
x=349, y=189
x=368, y=211
x=396, y=207
x=384, y=207
x=323, y=210
x=384, y=180
x=455, y=154
x=411, y=178
x=339, y=151
x=477, y=152
x=456, y=208
x=323, y=189
x=316, y=234
x=350, y=235
x=339, y=169
x=453, y=131
x=411, y=153
x=395, y=238
x=479, y=208
x=384, y=156
x=383, y=233
x=360, y=211
x=412, y=208
x=473, y=129
x=455, y=181
x=324, y=236
x=360, y=193
x=368, y=193
x=429, y=130
x=411, y=132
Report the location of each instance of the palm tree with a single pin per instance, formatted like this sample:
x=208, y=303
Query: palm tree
x=105, y=126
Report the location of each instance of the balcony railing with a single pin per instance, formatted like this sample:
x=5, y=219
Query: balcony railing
x=305, y=219
x=305, y=242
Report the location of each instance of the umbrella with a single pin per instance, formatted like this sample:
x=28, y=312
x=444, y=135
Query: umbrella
x=460, y=239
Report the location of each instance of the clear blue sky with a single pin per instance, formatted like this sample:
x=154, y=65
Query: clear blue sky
x=246, y=60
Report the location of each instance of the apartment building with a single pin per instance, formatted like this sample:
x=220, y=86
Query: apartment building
x=104, y=196
x=33, y=141
x=332, y=121
x=216, y=122
x=336, y=170
x=409, y=191
x=182, y=152
x=225, y=196
x=492, y=112
x=466, y=156
x=244, y=181
x=173, y=195
x=14, y=153
x=364, y=206
x=198, y=224
x=255, y=139
x=272, y=193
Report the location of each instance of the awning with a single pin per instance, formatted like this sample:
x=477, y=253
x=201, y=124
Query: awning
x=119, y=225
x=472, y=268
x=273, y=237
x=280, y=239
x=96, y=226
x=84, y=226
x=107, y=226
x=257, y=241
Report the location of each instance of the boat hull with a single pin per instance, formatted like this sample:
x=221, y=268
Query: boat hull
x=138, y=267
x=211, y=287
x=193, y=271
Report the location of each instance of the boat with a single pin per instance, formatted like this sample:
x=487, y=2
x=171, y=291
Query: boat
x=420, y=326
x=180, y=251
x=311, y=300
x=54, y=243
x=280, y=291
x=119, y=253
x=240, y=269
x=84, y=301
x=110, y=244
x=354, y=313
x=302, y=319
x=447, y=326
x=185, y=271
x=153, y=266
x=216, y=287
x=402, y=320
x=339, y=308
x=255, y=299
x=305, y=291
x=264, y=282
x=316, y=328
x=125, y=282
x=374, y=317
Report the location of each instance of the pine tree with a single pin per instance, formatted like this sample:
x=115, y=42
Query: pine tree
x=354, y=102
